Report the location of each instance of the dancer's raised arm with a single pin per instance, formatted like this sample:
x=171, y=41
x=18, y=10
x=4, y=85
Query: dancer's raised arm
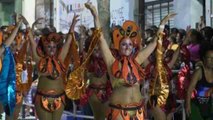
x=107, y=55
x=174, y=58
x=144, y=53
x=38, y=21
x=31, y=38
x=66, y=45
x=11, y=37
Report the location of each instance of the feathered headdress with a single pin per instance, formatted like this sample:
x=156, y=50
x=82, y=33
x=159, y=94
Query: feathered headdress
x=46, y=39
x=128, y=30
x=54, y=37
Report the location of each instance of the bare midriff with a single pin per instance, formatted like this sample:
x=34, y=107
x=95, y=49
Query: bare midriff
x=97, y=80
x=45, y=84
x=124, y=95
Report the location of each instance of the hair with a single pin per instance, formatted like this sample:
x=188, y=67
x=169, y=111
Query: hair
x=150, y=32
x=197, y=35
x=3, y=27
x=204, y=48
x=207, y=33
x=154, y=28
x=174, y=31
x=167, y=28
x=173, y=39
x=182, y=33
x=88, y=39
x=45, y=31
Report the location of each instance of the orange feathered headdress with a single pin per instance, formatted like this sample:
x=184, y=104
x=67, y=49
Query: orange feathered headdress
x=46, y=39
x=52, y=37
x=128, y=30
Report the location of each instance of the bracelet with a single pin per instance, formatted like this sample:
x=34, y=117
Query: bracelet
x=98, y=30
x=71, y=33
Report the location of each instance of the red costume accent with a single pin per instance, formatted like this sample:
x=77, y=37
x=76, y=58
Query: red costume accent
x=184, y=74
x=23, y=62
x=131, y=71
x=50, y=65
x=102, y=91
x=127, y=67
x=97, y=66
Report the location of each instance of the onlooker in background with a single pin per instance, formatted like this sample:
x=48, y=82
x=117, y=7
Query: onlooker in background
x=181, y=36
x=149, y=34
x=200, y=108
x=195, y=39
x=174, y=32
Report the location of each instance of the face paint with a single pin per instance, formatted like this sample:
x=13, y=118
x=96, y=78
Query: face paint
x=51, y=49
x=126, y=47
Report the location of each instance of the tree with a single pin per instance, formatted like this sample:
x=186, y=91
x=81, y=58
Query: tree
x=104, y=15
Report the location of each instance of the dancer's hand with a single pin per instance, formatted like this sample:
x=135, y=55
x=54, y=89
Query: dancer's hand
x=166, y=18
x=38, y=21
x=74, y=22
x=186, y=41
x=188, y=28
x=91, y=7
x=14, y=16
x=25, y=21
x=19, y=19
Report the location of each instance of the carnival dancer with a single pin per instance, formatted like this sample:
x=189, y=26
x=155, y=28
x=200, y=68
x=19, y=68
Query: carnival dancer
x=85, y=69
x=49, y=55
x=123, y=65
x=158, y=71
x=8, y=74
x=99, y=88
x=23, y=68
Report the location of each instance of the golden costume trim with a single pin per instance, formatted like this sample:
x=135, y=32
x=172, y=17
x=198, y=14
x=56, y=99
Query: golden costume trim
x=50, y=100
x=21, y=65
x=76, y=84
x=161, y=79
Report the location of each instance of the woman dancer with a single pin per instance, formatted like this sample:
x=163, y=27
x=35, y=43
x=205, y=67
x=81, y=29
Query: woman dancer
x=7, y=66
x=124, y=69
x=49, y=55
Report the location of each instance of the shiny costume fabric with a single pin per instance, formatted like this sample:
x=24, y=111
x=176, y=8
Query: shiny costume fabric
x=159, y=85
x=8, y=82
x=76, y=86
